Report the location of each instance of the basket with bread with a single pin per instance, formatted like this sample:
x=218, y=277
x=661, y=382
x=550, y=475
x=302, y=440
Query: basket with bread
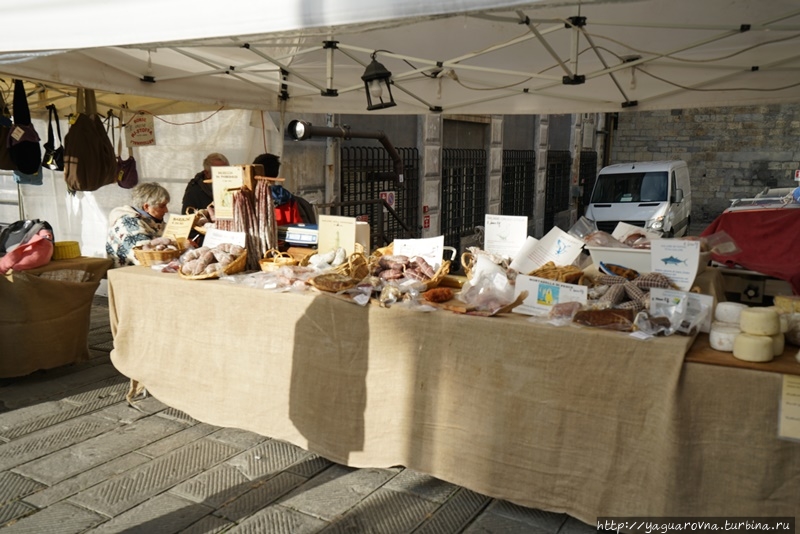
x=159, y=250
x=206, y=263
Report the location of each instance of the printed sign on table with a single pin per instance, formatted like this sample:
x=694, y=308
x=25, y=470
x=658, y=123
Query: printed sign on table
x=557, y=246
x=543, y=294
x=505, y=234
x=678, y=259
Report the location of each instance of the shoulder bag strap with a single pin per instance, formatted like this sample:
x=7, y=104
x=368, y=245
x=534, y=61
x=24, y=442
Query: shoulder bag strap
x=54, y=114
x=50, y=138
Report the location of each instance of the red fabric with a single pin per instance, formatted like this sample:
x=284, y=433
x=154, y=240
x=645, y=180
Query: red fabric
x=768, y=239
x=287, y=213
x=36, y=252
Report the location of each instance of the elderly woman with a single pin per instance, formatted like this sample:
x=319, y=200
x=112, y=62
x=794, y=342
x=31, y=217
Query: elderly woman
x=131, y=226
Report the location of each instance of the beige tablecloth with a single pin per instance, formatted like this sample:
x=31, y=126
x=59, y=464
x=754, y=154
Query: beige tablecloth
x=573, y=420
x=45, y=312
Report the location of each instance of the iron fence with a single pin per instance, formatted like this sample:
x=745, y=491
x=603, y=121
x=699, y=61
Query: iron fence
x=463, y=199
x=367, y=177
x=518, y=182
x=559, y=163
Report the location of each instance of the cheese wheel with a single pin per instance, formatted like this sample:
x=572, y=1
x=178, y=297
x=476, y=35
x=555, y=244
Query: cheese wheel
x=760, y=322
x=752, y=348
x=788, y=303
x=783, y=317
x=778, y=344
x=728, y=312
x=722, y=336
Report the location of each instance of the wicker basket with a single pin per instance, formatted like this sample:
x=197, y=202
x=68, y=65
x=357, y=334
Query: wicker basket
x=236, y=266
x=154, y=257
x=274, y=259
x=443, y=270
x=356, y=266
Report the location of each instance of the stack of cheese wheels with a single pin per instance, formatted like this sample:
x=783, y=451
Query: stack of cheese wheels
x=761, y=338
x=725, y=327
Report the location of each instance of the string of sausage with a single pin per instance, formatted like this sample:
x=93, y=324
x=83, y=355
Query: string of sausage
x=244, y=219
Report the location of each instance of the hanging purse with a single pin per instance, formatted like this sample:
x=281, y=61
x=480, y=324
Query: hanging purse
x=127, y=175
x=53, y=157
x=23, y=141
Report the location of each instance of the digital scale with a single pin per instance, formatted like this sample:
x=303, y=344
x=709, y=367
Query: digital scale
x=300, y=234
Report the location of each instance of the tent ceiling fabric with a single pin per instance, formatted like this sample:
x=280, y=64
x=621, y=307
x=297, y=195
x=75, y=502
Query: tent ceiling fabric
x=455, y=57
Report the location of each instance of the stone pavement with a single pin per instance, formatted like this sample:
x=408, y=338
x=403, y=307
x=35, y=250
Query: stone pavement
x=75, y=457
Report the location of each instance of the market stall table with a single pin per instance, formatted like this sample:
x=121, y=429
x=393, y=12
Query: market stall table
x=569, y=419
x=45, y=312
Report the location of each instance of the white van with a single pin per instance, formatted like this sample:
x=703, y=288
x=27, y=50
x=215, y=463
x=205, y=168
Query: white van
x=655, y=195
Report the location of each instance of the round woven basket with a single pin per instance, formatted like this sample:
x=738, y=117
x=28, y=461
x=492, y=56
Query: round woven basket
x=236, y=266
x=66, y=250
x=274, y=259
x=154, y=257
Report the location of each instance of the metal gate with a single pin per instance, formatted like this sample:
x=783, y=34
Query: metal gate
x=559, y=163
x=587, y=177
x=364, y=177
x=463, y=202
x=519, y=182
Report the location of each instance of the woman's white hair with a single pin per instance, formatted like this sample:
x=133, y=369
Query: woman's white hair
x=150, y=193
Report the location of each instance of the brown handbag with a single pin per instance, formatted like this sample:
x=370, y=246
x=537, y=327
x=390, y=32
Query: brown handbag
x=89, y=158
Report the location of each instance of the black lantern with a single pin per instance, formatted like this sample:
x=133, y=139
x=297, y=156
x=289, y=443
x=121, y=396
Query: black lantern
x=378, y=85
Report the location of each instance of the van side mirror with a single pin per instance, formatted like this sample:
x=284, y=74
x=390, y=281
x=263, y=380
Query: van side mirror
x=678, y=196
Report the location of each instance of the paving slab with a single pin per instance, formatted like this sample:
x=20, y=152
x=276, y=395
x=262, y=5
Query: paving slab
x=384, y=511
x=255, y=499
x=14, y=486
x=458, y=511
x=210, y=524
x=125, y=491
x=422, y=485
x=101, y=449
x=85, y=480
x=279, y=520
x=216, y=487
x=178, y=440
x=51, y=439
x=61, y=518
x=268, y=458
x=163, y=514
x=336, y=490
x=14, y=511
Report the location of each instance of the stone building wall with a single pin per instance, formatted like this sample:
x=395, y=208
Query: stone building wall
x=732, y=152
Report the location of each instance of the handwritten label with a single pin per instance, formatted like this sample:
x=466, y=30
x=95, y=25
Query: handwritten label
x=178, y=226
x=140, y=131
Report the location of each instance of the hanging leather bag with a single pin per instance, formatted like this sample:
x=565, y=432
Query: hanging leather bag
x=89, y=159
x=127, y=175
x=23, y=141
x=53, y=157
x=6, y=163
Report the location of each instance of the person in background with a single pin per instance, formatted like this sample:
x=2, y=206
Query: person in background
x=199, y=194
x=134, y=225
x=289, y=208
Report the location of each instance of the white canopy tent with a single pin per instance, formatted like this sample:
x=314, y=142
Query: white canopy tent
x=308, y=56
x=453, y=56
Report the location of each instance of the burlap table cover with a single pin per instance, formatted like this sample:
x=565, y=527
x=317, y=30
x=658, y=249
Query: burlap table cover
x=44, y=323
x=573, y=420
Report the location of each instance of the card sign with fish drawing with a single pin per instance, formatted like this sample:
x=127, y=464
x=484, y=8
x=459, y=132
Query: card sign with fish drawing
x=678, y=259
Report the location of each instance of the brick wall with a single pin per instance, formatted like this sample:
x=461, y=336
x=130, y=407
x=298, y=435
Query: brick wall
x=732, y=152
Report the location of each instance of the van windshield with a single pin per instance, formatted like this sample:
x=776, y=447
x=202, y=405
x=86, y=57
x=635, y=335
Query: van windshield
x=630, y=187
